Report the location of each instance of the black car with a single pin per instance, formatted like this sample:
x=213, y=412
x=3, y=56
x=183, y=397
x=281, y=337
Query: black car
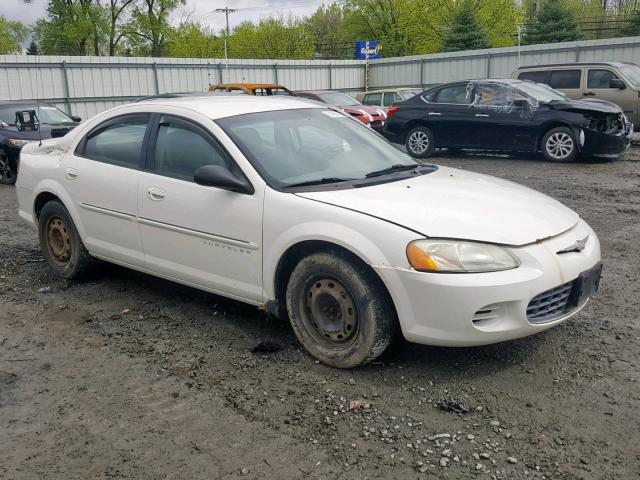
x=22, y=122
x=508, y=115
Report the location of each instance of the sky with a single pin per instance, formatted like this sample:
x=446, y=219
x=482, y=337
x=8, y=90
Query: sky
x=195, y=10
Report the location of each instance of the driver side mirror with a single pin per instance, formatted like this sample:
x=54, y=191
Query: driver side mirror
x=222, y=177
x=617, y=83
x=76, y=119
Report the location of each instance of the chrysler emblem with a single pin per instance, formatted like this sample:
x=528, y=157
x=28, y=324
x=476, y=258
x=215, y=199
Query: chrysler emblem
x=578, y=246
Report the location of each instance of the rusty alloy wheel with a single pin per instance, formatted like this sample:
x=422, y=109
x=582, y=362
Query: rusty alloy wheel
x=331, y=310
x=58, y=241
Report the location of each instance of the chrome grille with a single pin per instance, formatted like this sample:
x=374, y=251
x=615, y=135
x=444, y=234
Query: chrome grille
x=550, y=305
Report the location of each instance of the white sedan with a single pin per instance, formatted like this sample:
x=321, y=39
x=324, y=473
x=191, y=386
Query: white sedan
x=297, y=208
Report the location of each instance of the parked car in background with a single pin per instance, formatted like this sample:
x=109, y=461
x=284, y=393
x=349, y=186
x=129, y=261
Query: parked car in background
x=260, y=89
x=370, y=116
x=22, y=122
x=613, y=81
x=296, y=208
x=508, y=115
x=384, y=98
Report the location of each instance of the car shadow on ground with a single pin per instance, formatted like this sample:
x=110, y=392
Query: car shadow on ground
x=240, y=320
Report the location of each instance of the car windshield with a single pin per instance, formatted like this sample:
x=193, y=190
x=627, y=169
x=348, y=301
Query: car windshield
x=47, y=114
x=291, y=147
x=631, y=73
x=338, y=99
x=541, y=93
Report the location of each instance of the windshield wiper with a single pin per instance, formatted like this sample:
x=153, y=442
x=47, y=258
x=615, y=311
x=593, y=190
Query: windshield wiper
x=319, y=181
x=393, y=168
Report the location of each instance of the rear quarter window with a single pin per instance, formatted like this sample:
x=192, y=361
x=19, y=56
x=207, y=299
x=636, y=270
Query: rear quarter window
x=537, y=76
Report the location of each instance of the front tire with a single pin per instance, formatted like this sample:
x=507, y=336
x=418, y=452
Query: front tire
x=339, y=310
x=60, y=242
x=419, y=142
x=559, y=145
x=7, y=172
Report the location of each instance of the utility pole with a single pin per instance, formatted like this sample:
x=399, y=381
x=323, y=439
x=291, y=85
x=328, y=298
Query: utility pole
x=226, y=11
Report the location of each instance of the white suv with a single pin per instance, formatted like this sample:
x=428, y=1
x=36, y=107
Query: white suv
x=302, y=210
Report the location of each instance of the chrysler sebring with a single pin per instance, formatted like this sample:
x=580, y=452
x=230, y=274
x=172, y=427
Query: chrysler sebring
x=304, y=211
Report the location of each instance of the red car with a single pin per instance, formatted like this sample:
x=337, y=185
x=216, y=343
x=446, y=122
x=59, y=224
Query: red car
x=371, y=116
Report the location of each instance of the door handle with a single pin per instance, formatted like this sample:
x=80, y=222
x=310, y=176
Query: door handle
x=437, y=114
x=71, y=173
x=484, y=115
x=588, y=94
x=156, y=194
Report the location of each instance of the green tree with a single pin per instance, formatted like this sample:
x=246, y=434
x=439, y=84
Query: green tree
x=272, y=37
x=33, y=48
x=149, y=28
x=191, y=40
x=12, y=35
x=555, y=21
x=633, y=27
x=72, y=27
x=331, y=37
x=117, y=9
x=466, y=32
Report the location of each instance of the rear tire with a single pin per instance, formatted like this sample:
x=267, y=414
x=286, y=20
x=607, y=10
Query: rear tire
x=339, y=310
x=419, y=142
x=60, y=242
x=559, y=145
x=8, y=174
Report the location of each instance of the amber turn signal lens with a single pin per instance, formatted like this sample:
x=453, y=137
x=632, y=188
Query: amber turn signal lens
x=420, y=260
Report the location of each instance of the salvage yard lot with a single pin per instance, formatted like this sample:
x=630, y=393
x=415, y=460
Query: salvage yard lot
x=124, y=375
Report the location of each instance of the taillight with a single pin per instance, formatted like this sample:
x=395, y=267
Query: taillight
x=391, y=110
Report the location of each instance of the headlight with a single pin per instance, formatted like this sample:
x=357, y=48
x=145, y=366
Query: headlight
x=17, y=142
x=451, y=256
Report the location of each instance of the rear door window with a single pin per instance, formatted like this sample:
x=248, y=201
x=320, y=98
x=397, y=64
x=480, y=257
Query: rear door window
x=565, y=79
x=118, y=141
x=536, y=76
x=373, y=99
x=390, y=98
x=599, y=78
x=453, y=94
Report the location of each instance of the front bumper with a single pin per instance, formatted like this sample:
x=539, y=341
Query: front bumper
x=605, y=145
x=447, y=309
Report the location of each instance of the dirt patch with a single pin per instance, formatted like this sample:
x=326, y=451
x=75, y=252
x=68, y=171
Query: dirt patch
x=123, y=375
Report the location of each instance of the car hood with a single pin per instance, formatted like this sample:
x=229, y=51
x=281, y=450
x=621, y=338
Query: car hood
x=451, y=203
x=585, y=106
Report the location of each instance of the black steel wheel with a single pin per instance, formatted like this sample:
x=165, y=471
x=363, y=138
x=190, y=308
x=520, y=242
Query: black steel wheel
x=339, y=309
x=60, y=242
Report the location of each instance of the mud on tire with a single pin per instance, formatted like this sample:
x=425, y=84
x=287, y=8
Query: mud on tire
x=339, y=309
x=60, y=243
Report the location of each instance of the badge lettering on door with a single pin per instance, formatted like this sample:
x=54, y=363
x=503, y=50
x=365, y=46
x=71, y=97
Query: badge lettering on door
x=229, y=248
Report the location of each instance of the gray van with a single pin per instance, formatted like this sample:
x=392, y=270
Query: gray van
x=616, y=82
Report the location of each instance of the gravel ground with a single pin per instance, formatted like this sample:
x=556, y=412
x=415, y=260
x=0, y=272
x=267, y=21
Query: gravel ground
x=122, y=375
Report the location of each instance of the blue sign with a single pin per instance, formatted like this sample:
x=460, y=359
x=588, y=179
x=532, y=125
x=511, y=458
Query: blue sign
x=368, y=50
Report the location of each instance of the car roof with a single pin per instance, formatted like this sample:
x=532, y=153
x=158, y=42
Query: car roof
x=221, y=106
x=391, y=90
x=575, y=64
x=317, y=92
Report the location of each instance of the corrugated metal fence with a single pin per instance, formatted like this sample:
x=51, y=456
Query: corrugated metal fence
x=87, y=85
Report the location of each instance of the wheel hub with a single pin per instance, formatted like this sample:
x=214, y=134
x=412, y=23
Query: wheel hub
x=332, y=310
x=560, y=145
x=419, y=142
x=59, y=241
